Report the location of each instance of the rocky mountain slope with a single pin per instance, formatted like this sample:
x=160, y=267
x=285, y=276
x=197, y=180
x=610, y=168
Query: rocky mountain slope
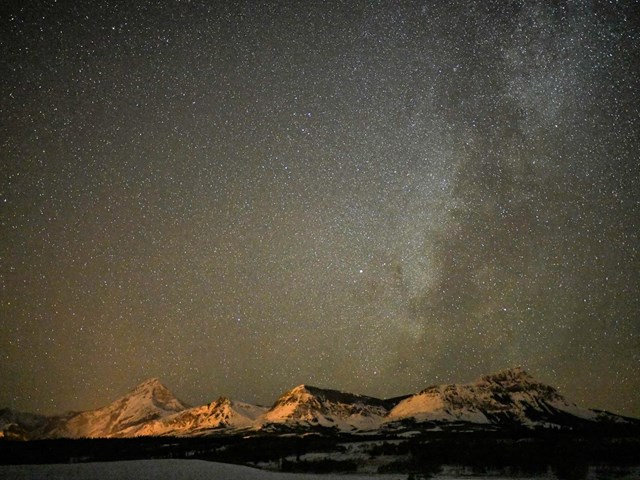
x=147, y=402
x=307, y=406
x=510, y=397
x=18, y=425
x=222, y=414
x=507, y=399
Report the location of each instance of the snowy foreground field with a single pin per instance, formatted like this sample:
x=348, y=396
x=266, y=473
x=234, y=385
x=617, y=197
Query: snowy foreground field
x=201, y=470
x=161, y=469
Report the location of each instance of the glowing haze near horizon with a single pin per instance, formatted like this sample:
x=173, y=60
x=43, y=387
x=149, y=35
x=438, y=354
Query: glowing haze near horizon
x=371, y=196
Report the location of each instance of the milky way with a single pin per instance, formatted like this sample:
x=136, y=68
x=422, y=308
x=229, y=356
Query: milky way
x=372, y=196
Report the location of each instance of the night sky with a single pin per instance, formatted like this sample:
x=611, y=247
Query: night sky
x=372, y=196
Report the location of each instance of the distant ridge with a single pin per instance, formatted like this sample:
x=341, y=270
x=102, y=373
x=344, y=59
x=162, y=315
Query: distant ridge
x=506, y=399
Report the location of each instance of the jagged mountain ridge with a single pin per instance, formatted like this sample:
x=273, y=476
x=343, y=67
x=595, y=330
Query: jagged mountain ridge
x=147, y=402
x=220, y=414
x=312, y=406
x=507, y=397
x=511, y=398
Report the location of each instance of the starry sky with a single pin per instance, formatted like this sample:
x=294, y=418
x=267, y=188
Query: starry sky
x=368, y=195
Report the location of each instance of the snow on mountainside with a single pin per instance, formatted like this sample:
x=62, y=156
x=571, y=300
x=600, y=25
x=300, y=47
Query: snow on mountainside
x=221, y=414
x=508, y=397
x=148, y=401
x=17, y=425
x=311, y=406
x=511, y=398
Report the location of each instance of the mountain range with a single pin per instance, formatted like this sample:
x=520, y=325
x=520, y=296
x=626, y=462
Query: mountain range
x=504, y=400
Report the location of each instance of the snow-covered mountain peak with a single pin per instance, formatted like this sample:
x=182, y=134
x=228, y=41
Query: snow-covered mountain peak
x=508, y=396
x=148, y=401
x=518, y=380
x=222, y=401
x=316, y=395
x=509, y=376
x=154, y=392
x=221, y=414
x=149, y=384
x=302, y=390
x=306, y=405
x=293, y=398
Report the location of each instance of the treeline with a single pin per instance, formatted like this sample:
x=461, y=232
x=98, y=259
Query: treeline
x=496, y=451
x=228, y=449
x=103, y=449
x=568, y=457
x=323, y=465
x=420, y=456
